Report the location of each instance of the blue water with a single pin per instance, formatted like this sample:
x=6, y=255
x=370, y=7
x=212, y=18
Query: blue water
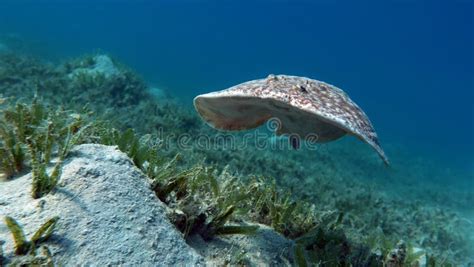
x=408, y=64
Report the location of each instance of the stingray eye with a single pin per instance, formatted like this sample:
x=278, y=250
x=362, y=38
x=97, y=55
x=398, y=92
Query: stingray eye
x=272, y=78
x=302, y=88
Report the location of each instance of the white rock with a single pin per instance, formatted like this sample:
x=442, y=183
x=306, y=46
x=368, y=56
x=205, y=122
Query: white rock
x=103, y=66
x=98, y=187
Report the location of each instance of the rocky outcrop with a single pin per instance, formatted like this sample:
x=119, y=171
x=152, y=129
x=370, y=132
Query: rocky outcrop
x=108, y=214
x=103, y=65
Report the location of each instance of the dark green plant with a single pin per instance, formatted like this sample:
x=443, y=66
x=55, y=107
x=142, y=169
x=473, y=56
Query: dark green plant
x=378, y=241
x=44, y=258
x=413, y=257
x=289, y=217
x=43, y=182
x=300, y=257
x=84, y=80
x=17, y=123
x=237, y=229
x=325, y=244
x=137, y=150
x=12, y=152
x=22, y=245
x=202, y=207
x=31, y=135
x=431, y=262
x=216, y=223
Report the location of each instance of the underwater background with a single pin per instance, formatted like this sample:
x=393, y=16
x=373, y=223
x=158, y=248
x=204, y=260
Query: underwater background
x=407, y=64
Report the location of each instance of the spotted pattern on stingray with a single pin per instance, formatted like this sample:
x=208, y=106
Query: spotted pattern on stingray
x=325, y=100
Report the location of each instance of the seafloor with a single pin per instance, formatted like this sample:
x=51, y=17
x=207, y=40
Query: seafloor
x=379, y=206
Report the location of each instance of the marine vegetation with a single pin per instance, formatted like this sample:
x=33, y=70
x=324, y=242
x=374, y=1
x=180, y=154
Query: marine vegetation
x=115, y=92
x=26, y=250
x=334, y=212
x=31, y=135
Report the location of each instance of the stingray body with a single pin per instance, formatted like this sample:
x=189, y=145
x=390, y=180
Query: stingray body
x=303, y=106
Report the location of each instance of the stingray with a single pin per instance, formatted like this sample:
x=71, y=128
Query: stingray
x=303, y=106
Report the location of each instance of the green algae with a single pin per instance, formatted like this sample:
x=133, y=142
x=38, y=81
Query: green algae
x=30, y=134
x=22, y=245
